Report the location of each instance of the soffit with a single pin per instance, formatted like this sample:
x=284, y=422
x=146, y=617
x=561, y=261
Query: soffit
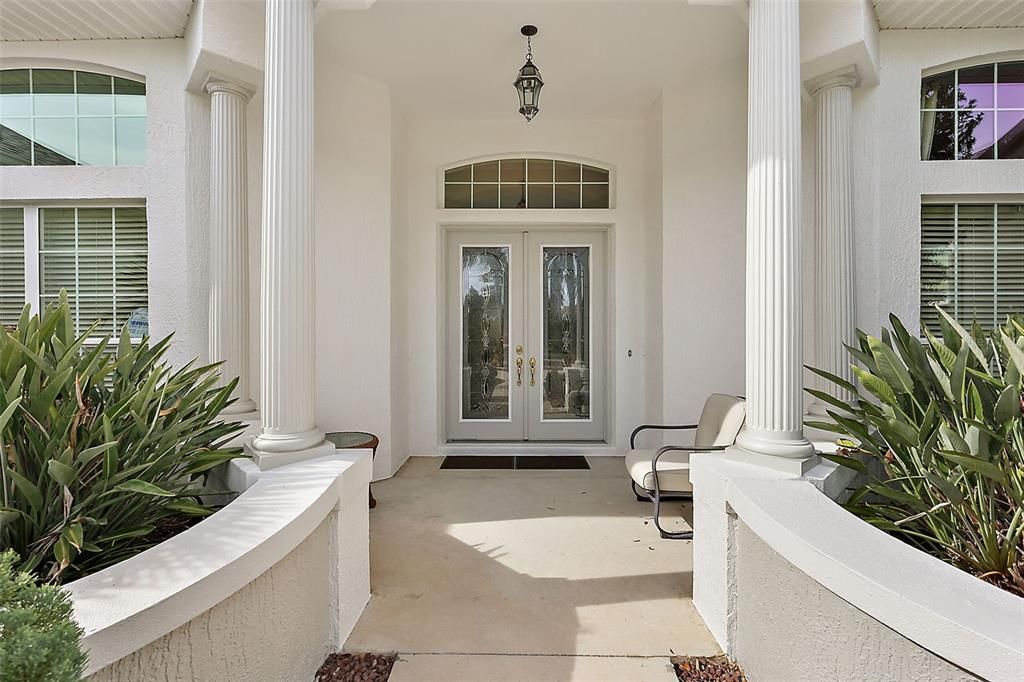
x=25, y=20
x=910, y=14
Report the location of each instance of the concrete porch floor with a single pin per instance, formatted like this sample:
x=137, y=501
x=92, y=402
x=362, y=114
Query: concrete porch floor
x=525, y=575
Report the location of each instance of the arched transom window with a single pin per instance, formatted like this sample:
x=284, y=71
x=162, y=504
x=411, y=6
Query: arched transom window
x=59, y=117
x=974, y=112
x=526, y=183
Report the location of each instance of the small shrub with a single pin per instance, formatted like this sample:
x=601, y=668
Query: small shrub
x=944, y=420
x=39, y=641
x=100, y=444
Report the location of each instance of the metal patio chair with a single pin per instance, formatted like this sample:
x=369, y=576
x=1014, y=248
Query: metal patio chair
x=665, y=473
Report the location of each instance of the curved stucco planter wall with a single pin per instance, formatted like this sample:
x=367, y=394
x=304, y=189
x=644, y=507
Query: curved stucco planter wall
x=262, y=590
x=819, y=594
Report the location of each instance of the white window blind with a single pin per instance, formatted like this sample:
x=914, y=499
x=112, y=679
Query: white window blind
x=12, y=264
x=99, y=256
x=972, y=262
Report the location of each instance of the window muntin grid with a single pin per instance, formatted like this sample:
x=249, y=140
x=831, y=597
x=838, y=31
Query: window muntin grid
x=61, y=117
x=974, y=112
x=526, y=183
x=100, y=256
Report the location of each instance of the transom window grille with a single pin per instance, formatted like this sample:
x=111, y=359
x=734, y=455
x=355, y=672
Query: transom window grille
x=973, y=113
x=972, y=262
x=98, y=254
x=526, y=183
x=58, y=117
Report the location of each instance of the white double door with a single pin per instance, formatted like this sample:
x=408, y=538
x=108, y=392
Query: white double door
x=526, y=335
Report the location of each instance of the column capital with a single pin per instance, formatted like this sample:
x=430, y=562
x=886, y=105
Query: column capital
x=846, y=77
x=214, y=86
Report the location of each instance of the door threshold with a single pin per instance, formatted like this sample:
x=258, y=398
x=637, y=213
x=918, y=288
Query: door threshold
x=596, y=449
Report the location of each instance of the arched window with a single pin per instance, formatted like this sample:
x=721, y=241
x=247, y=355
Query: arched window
x=59, y=117
x=974, y=112
x=525, y=184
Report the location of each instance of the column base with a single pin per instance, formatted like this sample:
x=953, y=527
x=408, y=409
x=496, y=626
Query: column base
x=271, y=460
x=793, y=466
x=240, y=407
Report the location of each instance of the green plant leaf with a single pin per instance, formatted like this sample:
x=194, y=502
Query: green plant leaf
x=189, y=507
x=5, y=416
x=848, y=462
x=61, y=473
x=1014, y=351
x=965, y=336
x=975, y=465
x=890, y=367
x=26, y=488
x=137, y=485
x=877, y=386
x=137, y=532
x=838, y=381
x=1008, y=406
x=948, y=490
x=74, y=534
x=958, y=376
x=89, y=454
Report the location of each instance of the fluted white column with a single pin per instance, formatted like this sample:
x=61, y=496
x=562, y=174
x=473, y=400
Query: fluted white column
x=287, y=286
x=229, y=250
x=773, y=300
x=833, y=219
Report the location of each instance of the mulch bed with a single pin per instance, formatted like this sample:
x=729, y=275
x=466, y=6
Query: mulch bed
x=356, y=668
x=707, y=669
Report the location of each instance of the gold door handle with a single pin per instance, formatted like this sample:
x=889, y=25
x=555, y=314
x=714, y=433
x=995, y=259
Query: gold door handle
x=533, y=371
x=519, y=371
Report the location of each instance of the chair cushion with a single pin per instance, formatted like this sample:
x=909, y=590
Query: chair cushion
x=720, y=420
x=673, y=470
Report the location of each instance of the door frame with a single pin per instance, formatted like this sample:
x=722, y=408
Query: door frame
x=445, y=231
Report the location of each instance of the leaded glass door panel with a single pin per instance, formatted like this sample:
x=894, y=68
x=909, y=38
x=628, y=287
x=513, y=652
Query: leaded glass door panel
x=525, y=342
x=485, y=326
x=565, y=335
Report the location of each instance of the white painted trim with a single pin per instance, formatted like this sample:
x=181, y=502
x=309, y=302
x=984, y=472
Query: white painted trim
x=952, y=614
x=131, y=604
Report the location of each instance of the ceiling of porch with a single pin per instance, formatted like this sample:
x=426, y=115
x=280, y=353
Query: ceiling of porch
x=22, y=20
x=896, y=14
x=599, y=59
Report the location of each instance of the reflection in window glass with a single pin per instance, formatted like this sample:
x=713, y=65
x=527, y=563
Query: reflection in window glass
x=973, y=113
x=525, y=184
x=58, y=117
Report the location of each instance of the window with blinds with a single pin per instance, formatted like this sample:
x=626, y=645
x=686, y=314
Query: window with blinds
x=12, y=264
x=972, y=262
x=99, y=256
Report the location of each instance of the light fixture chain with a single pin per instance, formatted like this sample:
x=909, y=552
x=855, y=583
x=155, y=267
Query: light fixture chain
x=529, y=48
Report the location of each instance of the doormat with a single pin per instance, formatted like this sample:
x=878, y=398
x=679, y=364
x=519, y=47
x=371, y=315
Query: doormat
x=525, y=462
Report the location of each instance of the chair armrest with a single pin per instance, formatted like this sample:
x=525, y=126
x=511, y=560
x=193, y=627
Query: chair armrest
x=658, y=427
x=677, y=448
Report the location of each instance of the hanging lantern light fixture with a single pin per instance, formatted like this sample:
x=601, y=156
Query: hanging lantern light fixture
x=529, y=83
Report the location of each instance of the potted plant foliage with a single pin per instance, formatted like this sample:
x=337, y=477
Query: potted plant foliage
x=943, y=419
x=101, y=444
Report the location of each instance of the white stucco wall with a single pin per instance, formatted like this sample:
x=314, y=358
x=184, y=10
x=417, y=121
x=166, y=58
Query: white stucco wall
x=703, y=241
x=275, y=628
x=177, y=253
x=353, y=267
x=891, y=179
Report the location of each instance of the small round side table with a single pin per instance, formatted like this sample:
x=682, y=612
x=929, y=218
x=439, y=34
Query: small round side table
x=356, y=440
